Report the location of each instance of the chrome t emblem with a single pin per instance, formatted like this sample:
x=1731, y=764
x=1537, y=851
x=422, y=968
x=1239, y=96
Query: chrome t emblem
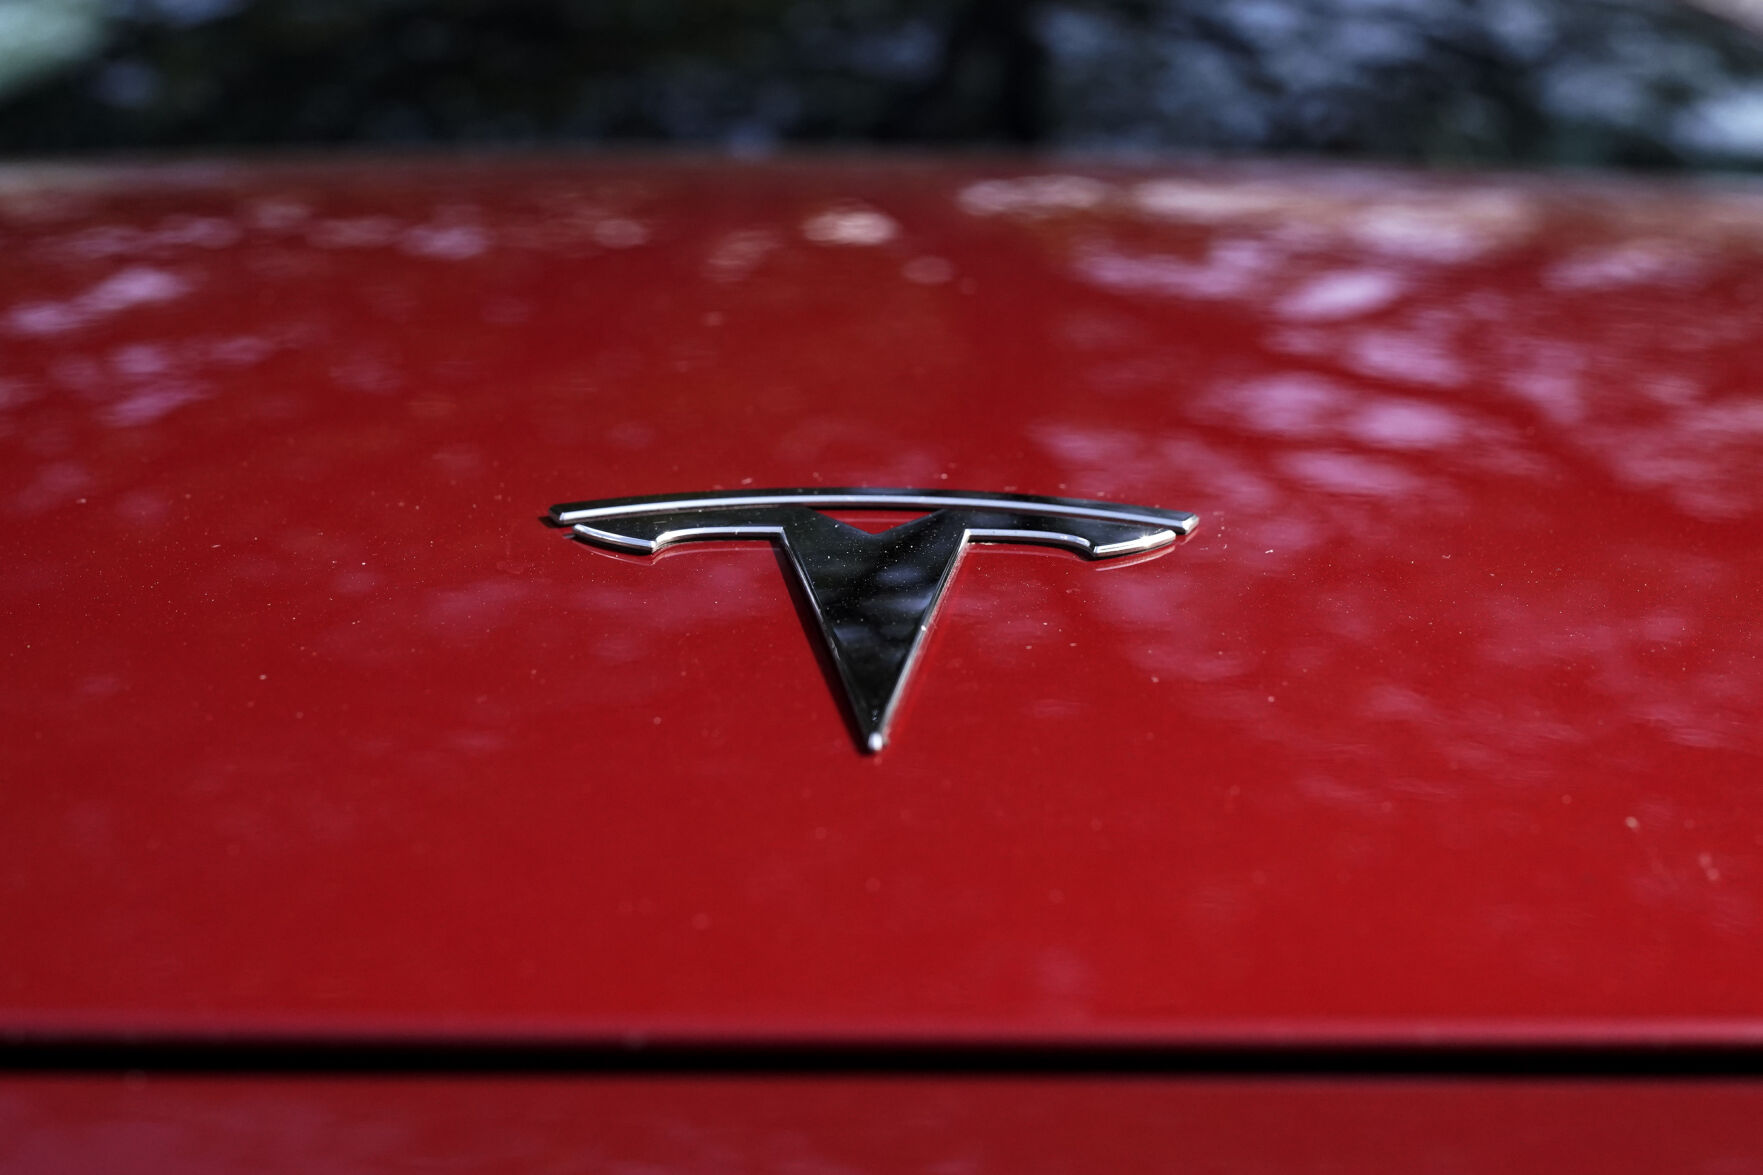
x=874, y=595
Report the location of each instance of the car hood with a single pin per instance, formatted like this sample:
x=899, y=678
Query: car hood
x=1443, y=725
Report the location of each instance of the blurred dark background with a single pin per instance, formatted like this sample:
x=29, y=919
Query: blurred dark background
x=1628, y=83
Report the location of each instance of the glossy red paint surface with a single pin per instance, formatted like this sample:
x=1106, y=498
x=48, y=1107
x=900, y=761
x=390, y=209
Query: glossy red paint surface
x=523, y=1124
x=1444, y=724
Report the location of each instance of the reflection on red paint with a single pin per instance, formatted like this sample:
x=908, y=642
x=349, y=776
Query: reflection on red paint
x=1446, y=719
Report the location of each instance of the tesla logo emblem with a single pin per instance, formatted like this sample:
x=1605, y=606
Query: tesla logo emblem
x=873, y=595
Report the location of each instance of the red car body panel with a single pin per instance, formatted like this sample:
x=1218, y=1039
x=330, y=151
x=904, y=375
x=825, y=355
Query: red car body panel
x=519, y=1124
x=1444, y=726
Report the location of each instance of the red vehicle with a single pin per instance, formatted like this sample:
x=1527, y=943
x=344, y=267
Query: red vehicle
x=1434, y=749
